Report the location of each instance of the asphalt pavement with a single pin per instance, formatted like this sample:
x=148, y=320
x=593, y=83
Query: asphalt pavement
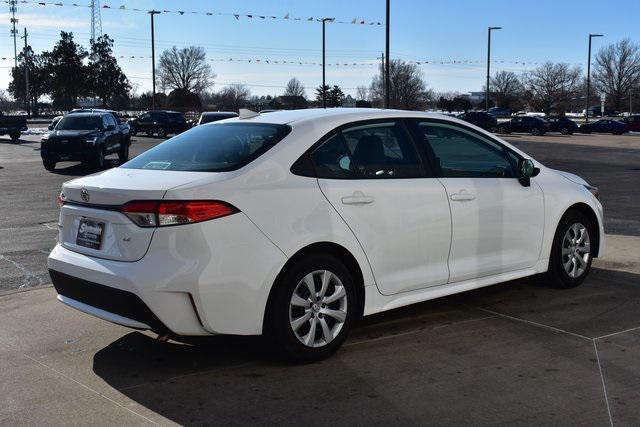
x=517, y=353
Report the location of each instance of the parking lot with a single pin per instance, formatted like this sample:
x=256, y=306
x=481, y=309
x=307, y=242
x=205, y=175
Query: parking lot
x=515, y=353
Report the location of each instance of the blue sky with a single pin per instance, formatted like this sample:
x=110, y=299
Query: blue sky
x=421, y=30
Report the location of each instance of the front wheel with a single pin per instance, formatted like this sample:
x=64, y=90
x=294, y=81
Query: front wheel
x=571, y=253
x=123, y=152
x=98, y=159
x=502, y=129
x=312, y=309
x=15, y=136
x=49, y=164
x=162, y=132
x=564, y=131
x=536, y=132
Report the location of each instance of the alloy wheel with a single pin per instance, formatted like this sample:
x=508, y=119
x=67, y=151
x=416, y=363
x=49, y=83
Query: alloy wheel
x=576, y=250
x=318, y=308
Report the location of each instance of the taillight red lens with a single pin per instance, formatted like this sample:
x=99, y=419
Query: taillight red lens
x=175, y=212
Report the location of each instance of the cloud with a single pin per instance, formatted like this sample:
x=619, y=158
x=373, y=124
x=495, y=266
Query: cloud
x=42, y=21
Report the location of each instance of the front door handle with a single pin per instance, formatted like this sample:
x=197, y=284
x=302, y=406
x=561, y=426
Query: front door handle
x=462, y=196
x=358, y=198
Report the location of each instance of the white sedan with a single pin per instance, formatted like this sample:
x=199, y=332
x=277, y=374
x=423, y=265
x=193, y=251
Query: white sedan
x=296, y=223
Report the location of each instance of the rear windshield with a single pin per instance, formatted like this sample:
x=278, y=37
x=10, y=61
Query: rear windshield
x=80, y=123
x=212, y=148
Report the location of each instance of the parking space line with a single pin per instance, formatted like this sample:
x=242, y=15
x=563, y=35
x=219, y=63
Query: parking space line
x=617, y=333
x=604, y=386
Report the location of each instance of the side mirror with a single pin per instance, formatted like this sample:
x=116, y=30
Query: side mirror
x=50, y=127
x=110, y=127
x=526, y=171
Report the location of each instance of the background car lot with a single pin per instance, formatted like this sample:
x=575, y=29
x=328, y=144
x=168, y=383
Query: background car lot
x=513, y=353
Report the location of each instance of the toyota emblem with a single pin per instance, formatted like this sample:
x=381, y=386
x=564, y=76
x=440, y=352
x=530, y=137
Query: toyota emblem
x=84, y=194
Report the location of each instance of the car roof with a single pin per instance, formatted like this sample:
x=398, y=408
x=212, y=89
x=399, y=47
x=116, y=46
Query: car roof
x=89, y=114
x=335, y=115
x=219, y=113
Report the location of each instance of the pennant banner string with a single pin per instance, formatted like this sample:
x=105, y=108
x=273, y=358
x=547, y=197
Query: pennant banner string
x=237, y=16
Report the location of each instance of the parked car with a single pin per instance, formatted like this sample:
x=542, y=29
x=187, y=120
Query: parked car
x=161, y=123
x=526, y=124
x=124, y=127
x=499, y=112
x=481, y=119
x=86, y=137
x=596, y=111
x=12, y=126
x=296, y=223
x=604, y=126
x=561, y=124
x=214, y=116
x=632, y=122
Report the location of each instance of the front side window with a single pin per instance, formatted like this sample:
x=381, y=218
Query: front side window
x=369, y=151
x=460, y=153
x=215, y=148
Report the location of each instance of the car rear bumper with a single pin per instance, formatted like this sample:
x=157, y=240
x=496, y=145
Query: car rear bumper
x=207, y=278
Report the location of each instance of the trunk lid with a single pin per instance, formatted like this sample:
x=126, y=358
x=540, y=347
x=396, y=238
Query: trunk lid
x=91, y=222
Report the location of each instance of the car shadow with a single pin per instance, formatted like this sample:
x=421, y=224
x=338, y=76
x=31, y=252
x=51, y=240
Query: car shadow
x=226, y=379
x=80, y=169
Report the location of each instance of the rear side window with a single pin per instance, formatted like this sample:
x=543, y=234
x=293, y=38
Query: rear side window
x=369, y=151
x=214, y=148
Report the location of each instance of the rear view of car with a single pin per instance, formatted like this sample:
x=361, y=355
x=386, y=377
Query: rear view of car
x=481, y=119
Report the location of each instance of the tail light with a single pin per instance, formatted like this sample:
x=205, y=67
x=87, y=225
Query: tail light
x=151, y=213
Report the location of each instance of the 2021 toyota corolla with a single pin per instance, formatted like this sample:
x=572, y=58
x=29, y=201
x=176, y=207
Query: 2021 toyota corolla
x=293, y=224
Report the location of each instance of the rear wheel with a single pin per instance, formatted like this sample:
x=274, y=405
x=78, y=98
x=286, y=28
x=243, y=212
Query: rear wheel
x=15, y=136
x=536, y=131
x=502, y=129
x=312, y=309
x=49, y=164
x=571, y=253
x=565, y=131
x=162, y=132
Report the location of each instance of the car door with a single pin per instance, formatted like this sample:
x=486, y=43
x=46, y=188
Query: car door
x=516, y=124
x=144, y=122
x=109, y=129
x=497, y=221
x=399, y=213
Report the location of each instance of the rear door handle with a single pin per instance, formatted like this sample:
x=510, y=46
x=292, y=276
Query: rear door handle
x=358, y=198
x=462, y=196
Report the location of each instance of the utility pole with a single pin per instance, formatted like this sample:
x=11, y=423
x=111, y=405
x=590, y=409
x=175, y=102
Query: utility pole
x=153, y=61
x=324, y=92
x=387, y=76
x=486, y=95
x=383, y=74
x=13, y=8
x=27, y=102
x=586, y=110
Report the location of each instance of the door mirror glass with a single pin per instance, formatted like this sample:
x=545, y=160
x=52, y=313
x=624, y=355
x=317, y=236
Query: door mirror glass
x=526, y=168
x=50, y=127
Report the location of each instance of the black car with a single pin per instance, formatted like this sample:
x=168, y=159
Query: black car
x=561, y=124
x=122, y=124
x=214, y=116
x=481, y=119
x=605, y=126
x=532, y=125
x=499, y=112
x=85, y=137
x=12, y=125
x=160, y=123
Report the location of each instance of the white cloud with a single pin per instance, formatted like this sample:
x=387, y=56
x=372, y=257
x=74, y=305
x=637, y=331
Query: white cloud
x=42, y=21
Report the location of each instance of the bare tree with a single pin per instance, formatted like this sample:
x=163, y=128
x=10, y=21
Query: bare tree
x=617, y=71
x=232, y=97
x=294, y=88
x=408, y=89
x=186, y=69
x=506, y=88
x=552, y=86
x=362, y=93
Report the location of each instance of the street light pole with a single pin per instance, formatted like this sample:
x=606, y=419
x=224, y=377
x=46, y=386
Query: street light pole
x=586, y=110
x=387, y=66
x=486, y=95
x=324, y=92
x=153, y=61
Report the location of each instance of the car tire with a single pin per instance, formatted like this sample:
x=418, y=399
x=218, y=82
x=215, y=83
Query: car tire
x=162, y=132
x=565, y=131
x=536, y=132
x=15, y=136
x=297, y=324
x=133, y=131
x=98, y=159
x=123, y=152
x=501, y=129
x=571, y=253
x=49, y=164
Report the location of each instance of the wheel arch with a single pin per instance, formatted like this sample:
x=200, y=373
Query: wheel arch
x=587, y=211
x=331, y=248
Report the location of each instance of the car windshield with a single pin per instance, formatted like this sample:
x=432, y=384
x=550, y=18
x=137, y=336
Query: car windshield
x=212, y=148
x=80, y=123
